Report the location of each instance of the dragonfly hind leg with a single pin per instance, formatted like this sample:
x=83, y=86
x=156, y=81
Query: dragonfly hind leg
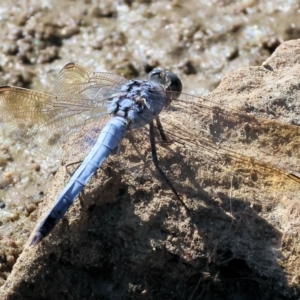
x=156, y=163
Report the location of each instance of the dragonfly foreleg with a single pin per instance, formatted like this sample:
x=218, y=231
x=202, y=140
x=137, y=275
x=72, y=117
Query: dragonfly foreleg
x=156, y=163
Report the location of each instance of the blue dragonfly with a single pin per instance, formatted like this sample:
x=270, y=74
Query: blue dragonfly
x=95, y=111
x=104, y=106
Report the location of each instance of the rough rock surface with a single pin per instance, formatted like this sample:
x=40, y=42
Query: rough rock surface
x=127, y=237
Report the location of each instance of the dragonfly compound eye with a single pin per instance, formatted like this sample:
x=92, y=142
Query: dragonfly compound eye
x=170, y=80
x=175, y=84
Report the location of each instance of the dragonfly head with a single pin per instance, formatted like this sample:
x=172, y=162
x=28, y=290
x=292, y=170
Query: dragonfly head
x=169, y=80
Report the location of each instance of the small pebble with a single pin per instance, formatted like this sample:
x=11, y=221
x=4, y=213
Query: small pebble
x=10, y=260
x=8, y=177
x=31, y=208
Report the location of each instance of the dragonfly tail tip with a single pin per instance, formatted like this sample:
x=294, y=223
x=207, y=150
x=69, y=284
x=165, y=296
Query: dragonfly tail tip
x=36, y=239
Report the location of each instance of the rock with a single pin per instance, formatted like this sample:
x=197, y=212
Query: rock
x=121, y=239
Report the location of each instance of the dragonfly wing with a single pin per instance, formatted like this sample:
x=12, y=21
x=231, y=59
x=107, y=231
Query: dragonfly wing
x=44, y=121
x=265, y=147
x=76, y=80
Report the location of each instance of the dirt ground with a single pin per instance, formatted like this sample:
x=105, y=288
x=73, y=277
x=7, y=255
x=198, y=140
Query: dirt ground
x=128, y=236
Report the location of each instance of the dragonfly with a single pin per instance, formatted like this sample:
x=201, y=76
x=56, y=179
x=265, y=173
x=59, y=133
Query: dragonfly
x=91, y=113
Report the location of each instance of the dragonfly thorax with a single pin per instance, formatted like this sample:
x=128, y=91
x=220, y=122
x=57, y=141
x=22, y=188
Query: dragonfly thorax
x=139, y=101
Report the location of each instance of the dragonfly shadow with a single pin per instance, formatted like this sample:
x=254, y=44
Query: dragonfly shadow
x=241, y=245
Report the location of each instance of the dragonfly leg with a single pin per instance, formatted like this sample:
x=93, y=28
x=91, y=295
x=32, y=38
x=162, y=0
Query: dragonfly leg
x=156, y=163
x=71, y=164
x=161, y=130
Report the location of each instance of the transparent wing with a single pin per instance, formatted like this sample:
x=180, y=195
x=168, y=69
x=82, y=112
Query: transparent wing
x=76, y=80
x=46, y=122
x=259, y=147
